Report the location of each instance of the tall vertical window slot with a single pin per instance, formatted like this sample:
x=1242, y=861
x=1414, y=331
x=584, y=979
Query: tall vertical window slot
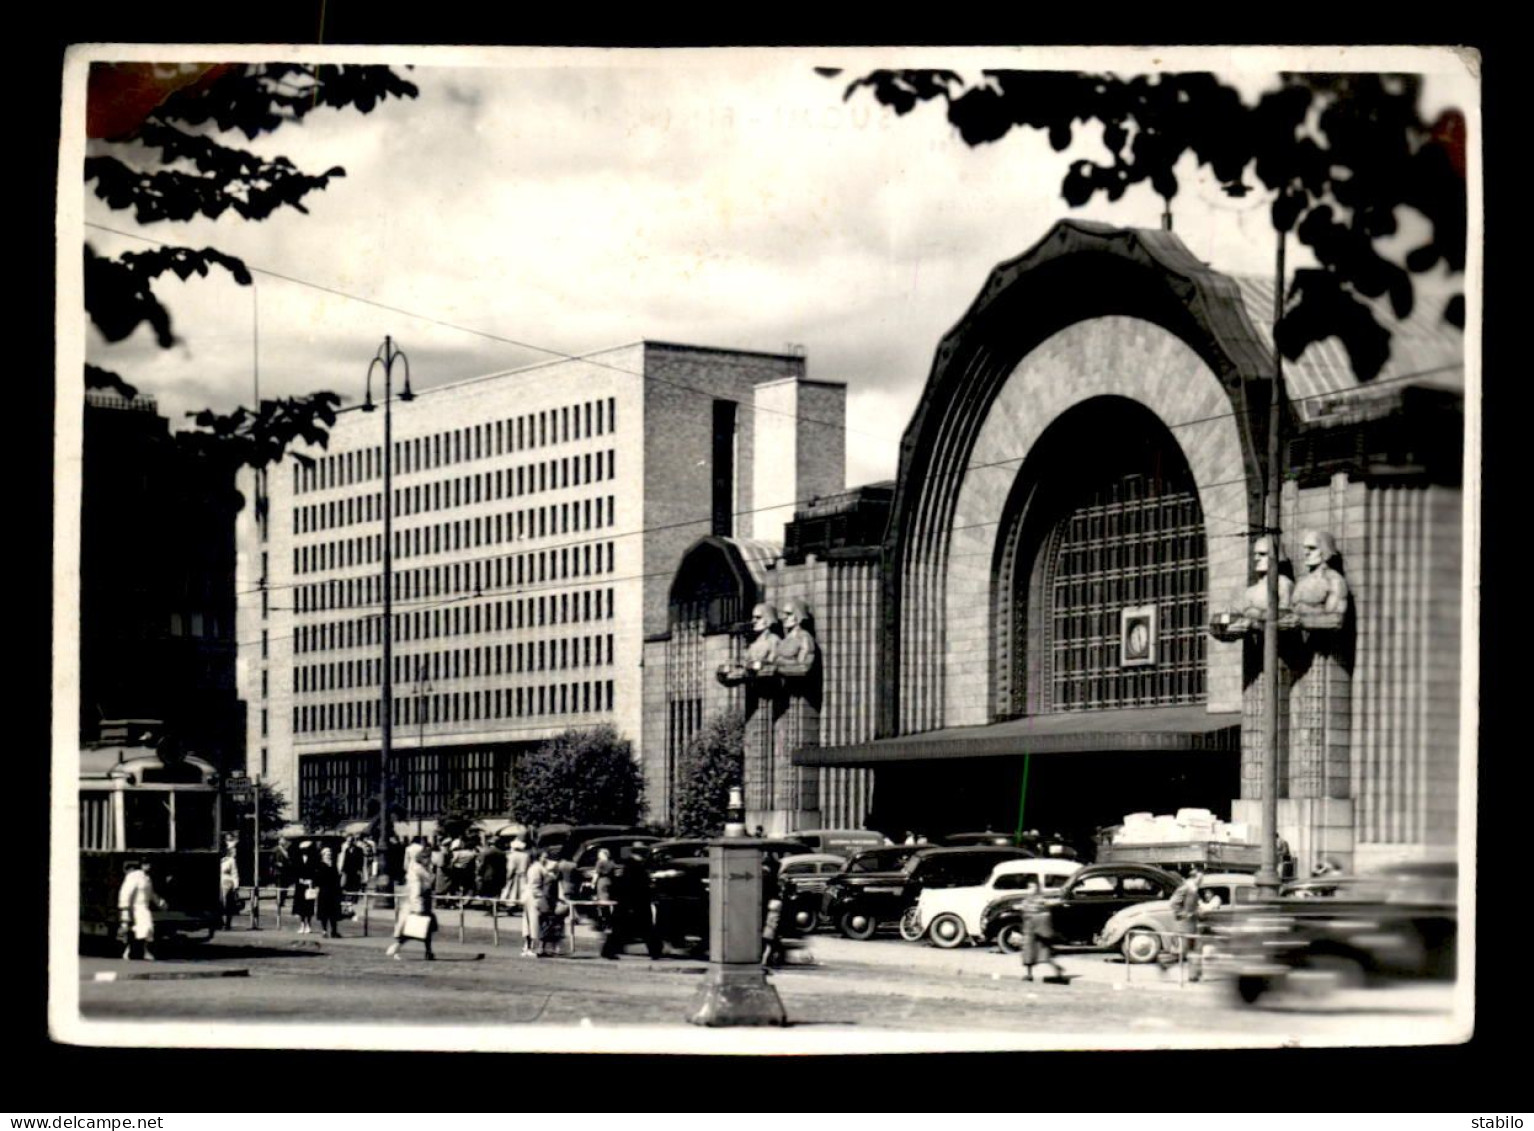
x=724, y=468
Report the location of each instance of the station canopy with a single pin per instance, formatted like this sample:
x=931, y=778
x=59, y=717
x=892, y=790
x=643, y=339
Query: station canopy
x=1191, y=727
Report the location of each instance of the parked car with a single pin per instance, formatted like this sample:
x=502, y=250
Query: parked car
x=564, y=841
x=859, y=902
x=1081, y=907
x=621, y=848
x=680, y=901
x=1144, y=931
x=802, y=885
x=1401, y=922
x=950, y=917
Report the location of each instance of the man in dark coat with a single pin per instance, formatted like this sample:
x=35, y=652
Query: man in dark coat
x=490, y=870
x=633, y=919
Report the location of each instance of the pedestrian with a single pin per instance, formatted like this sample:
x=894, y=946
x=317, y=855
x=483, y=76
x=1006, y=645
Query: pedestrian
x=603, y=875
x=327, y=898
x=772, y=911
x=229, y=885
x=136, y=903
x=393, y=861
x=416, y=918
x=490, y=870
x=633, y=917
x=462, y=863
x=1039, y=937
x=369, y=858
x=532, y=899
x=304, y=890
x=441, y=867
x=282, y=863
x=517, y=863
x=553, y=910
x=351, y=864
x=1186, y=915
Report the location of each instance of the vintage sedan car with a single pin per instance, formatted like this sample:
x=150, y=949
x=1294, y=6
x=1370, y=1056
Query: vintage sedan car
x=1080, y=908
x=1401, y=922
x=620, y=848
x=802, y=886
x=859, y=902
x=950, y=917
x=1145, y=931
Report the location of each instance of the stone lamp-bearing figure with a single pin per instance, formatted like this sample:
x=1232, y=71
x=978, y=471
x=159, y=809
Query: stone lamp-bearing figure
x=1321, y=595
x=761, y=655
x=797, y=653
x=1252, y=612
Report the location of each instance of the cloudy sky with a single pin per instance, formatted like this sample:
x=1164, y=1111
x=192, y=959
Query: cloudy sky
x=534, y=203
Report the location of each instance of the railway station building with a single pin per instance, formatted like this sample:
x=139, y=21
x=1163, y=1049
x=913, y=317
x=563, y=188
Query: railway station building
x=1039, y=623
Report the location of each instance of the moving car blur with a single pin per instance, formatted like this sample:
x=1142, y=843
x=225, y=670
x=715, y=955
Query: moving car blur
x=1400, y=922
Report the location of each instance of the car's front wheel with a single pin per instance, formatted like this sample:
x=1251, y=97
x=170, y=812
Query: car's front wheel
x=910, y=925
x=1010, y=938
x=1141, y=945
x=1250, y=987
x=857, y=924
x=947, y=931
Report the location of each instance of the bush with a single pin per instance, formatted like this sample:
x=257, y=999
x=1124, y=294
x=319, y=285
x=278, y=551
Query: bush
x=712, y=762
x=585, y=777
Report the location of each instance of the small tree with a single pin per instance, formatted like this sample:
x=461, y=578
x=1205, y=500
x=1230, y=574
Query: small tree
x=712, y=762
x=581, y=776
x=274, y=812
x=456, y=815
x=322, y=811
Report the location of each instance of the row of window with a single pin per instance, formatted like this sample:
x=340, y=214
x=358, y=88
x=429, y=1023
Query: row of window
x=561, y=654
x=595, y=559
x=596, y=513
x=580, y=606
x=463, y=491
x=519, y=433
x=582, y=697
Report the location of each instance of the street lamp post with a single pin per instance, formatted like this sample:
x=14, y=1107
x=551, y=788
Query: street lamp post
x=422, y=688
x=387, y=355
x=1267, y=874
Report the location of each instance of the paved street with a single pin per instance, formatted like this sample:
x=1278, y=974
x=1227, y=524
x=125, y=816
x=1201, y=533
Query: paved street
x=880, y=988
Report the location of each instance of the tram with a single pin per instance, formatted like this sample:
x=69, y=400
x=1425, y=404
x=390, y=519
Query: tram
x=142, y=803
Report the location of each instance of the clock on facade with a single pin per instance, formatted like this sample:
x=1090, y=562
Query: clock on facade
x=1137, y=636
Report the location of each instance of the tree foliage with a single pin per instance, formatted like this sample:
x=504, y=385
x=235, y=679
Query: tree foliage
x=274, y=811
x=712, y=762
x=1343, y=155
x=456, y=815
x=583, y=776
x=156, y=153
x=321, y=812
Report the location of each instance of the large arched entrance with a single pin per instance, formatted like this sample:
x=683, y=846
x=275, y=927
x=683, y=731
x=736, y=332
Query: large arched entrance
x=1103, y=524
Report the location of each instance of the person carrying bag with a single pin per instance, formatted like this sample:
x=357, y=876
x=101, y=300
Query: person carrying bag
x=416, y=919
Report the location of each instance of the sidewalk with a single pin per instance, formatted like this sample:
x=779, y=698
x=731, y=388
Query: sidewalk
x=824, y=950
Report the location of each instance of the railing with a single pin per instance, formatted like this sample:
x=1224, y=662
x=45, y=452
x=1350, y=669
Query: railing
x=363, y=909
x=1180, y=955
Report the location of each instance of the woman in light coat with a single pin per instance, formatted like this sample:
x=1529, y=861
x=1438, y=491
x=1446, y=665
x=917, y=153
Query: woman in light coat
x=229, y=886
x=417, y=901
x=532, y=893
